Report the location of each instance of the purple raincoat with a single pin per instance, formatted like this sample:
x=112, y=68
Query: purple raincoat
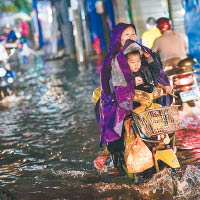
x=116, y=100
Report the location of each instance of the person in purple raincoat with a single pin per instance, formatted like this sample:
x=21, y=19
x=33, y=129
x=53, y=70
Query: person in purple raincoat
x=117, y=87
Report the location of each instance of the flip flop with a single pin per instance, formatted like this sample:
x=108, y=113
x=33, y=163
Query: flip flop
x=101, y=159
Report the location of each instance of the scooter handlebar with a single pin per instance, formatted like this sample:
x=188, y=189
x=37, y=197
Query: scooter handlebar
x=164, y=90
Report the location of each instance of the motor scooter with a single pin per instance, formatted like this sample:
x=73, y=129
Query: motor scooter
x=6, y=81
x=184, y=82
x=150, y=134
x=7, y=75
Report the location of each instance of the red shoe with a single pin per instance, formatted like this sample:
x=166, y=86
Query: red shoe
x=100, y=161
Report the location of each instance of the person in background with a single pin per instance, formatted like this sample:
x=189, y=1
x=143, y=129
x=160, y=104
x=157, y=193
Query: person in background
x=116, y=99
x=4, y=56
x=9, y=34
x=171, y=46
x=23, y=28
x=152, y=32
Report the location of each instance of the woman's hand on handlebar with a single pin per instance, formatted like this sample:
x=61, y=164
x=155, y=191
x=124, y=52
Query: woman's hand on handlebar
x=168, y=89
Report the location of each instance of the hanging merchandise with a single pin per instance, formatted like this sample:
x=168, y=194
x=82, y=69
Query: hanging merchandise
x=100, y=12
x=38, y=37
x=77, y=31
x=192, y=18
x=97, y=35
x=65, y=26
x=54, y=30
x=110, y=14
x=45, y=18
x=108, y=20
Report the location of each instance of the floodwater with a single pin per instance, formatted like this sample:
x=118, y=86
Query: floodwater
x=49, y=140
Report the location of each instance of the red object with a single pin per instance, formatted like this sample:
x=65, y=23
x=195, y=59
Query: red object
x=24, y=28
x=99, y=64
x=96, y=45
x=163, y=24
x=19, y=45
x=100, y=161
x=2, y=37
x=183, y=80
x=189, y=138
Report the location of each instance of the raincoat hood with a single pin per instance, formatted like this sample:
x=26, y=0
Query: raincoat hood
x=115, y=41
x=115, y=45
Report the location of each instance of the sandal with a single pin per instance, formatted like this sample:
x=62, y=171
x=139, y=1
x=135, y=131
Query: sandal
x=100, y=161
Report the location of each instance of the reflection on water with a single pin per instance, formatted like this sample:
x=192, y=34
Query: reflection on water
x=50, y=139
x=188, y=138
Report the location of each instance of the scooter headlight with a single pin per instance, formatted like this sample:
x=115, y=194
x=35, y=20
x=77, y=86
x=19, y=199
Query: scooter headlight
x=10, y=80
x=2, y=72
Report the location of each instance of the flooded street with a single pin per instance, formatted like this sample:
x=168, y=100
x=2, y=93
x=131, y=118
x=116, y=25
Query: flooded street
x=50, y=138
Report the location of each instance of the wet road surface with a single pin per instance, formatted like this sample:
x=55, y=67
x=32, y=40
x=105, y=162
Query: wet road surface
x=49, y=140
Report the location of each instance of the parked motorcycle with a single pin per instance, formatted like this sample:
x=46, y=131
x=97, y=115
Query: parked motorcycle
x=184, y=82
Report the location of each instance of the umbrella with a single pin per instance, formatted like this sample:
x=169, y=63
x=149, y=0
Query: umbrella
x=22, y=16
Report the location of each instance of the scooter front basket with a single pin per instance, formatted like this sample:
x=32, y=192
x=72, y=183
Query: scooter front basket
x=162, y=120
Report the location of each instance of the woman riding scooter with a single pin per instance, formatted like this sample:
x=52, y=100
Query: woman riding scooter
x=115, y=102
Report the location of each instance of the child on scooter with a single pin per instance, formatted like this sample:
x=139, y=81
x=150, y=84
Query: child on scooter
x=134, y=62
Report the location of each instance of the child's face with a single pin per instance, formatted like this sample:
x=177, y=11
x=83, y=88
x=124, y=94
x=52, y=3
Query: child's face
x=134, y=62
